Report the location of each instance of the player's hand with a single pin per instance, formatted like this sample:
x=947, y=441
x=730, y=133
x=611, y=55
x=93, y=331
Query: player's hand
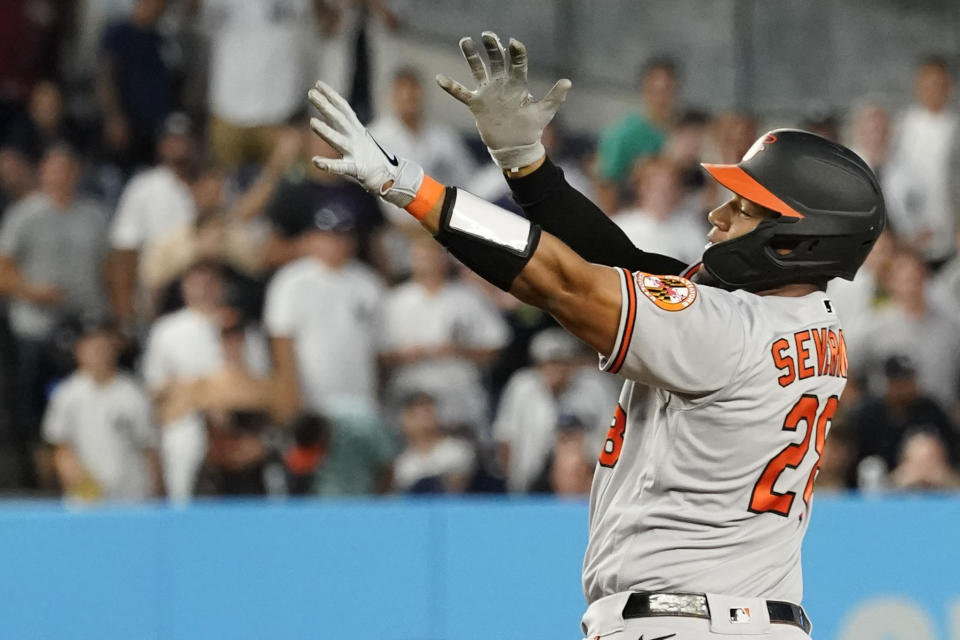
x=396, y=180
x=508, y=117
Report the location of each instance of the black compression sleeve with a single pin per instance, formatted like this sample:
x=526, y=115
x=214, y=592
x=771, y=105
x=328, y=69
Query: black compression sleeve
x=495, y=263
x=549, y=201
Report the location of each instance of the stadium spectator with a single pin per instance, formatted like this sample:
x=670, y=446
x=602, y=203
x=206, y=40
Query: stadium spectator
x=573, y=458
x=258, y=73
x=431, y=461
x=43, y=123
x=924, y=465
x=733, y=133
x=882, y=424
x=821, y=121
x=303, y=458
x=525, y=426
x=684, y=147
x=916, y=326
x=302, y=191
x=345, y=47
x=18, y=179
x=239, y=461
x=52, y=249
x=438, y=336
x=917, y=185
x=836, y=473
x=858, y=301
x=236, y=402
x=230, y=235
x=870, y=139
x=661, y=220
x=321, y=311
x=408, y=129
x=137, y=84
x=99, y=421
x=183, y=349
x=153, y=202
x=361, y=455
x=408, y=132
x=640, y=134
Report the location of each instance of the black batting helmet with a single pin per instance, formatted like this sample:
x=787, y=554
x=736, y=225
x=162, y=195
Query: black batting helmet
x=830, y=213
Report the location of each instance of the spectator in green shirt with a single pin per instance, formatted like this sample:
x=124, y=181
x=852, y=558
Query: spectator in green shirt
x=640, y=134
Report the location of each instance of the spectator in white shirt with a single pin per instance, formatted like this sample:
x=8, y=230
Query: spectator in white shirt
x=918, y=183
x=409, y=133
x=154, y=202
x=100, y=423
x=431, y=461
x=662, y=221
x=259, y=72
x=915, y=325
x=320, y=313
x=558, y=384
x=438, y=336
x=185, y=349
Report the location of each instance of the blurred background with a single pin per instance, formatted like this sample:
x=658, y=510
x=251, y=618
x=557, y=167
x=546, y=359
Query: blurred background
x=190, y=312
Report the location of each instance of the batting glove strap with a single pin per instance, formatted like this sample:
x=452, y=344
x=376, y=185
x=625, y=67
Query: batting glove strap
x=513, y=158
x=407, y=178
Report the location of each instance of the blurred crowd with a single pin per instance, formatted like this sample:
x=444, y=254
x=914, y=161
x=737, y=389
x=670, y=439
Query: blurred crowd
x=190, y=309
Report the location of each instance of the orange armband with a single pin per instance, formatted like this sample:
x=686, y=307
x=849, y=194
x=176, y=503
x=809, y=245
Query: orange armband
x=429, y=194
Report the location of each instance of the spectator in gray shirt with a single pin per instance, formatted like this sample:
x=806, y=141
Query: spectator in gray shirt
x=52, y=246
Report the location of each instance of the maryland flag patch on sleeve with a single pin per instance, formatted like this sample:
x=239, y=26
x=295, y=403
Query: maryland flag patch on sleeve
x=670, y=293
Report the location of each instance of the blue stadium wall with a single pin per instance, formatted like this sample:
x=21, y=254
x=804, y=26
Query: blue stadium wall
x=400, y=569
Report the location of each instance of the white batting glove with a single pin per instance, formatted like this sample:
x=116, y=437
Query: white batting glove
x=396, y=180
x=508, y=117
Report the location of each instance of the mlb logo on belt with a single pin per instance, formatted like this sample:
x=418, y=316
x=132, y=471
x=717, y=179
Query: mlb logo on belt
x=740, y=615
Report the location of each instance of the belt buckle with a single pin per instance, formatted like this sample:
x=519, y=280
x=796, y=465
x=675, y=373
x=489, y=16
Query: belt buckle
x=679, y=604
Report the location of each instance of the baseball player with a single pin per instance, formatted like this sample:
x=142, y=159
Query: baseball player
x=697, y=513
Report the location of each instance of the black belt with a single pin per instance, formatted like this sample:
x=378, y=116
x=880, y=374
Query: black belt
x=694, y=605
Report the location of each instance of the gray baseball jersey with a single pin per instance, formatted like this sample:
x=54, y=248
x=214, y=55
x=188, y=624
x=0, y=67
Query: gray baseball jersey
x=707, y=486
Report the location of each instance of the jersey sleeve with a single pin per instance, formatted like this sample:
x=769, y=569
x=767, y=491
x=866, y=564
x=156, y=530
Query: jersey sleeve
x=551, y=202
x=676, y=336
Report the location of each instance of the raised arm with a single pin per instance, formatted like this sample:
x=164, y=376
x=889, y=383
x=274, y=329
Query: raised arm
x=511, y=122
x=505, y=249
